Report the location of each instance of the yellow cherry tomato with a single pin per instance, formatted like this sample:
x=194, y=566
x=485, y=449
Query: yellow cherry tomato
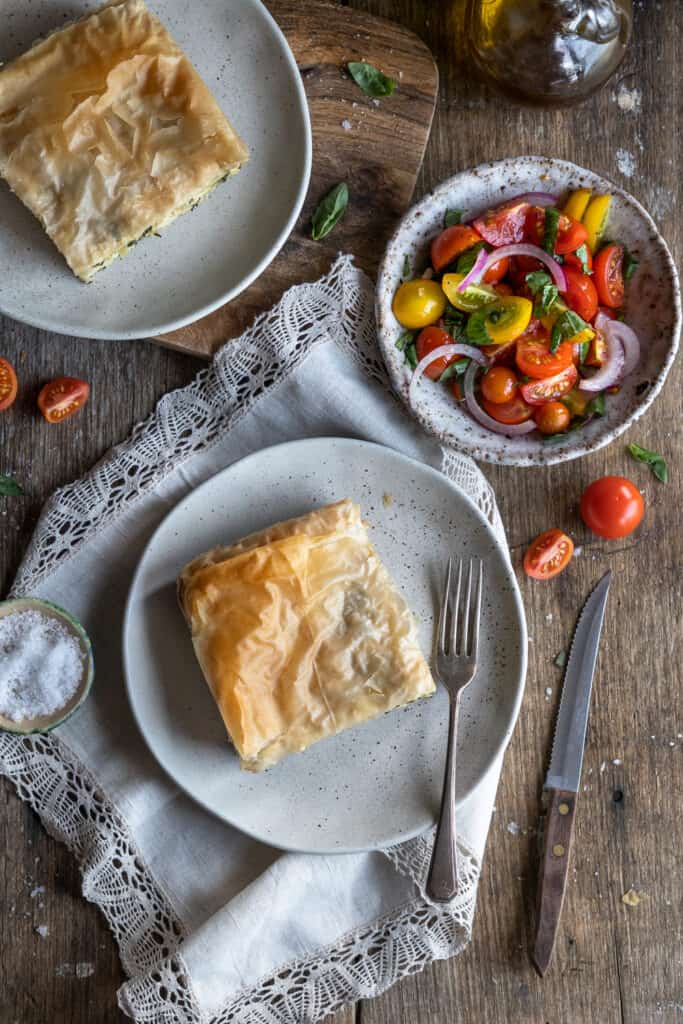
x=595, y=219
x=507, y=318
x=418, y=303
x=575, y=207
x=472, y=299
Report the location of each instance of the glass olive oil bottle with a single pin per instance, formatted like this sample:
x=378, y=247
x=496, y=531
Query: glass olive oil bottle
x=549, y=52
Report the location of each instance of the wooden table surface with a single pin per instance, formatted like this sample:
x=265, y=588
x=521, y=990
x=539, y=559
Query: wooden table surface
x=614, y=964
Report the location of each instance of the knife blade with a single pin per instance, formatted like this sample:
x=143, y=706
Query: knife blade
x=564, y=773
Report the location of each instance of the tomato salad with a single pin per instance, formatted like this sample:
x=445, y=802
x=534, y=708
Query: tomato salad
x=519, y=314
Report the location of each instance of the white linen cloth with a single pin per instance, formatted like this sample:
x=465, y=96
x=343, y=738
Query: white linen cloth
x=212, y=926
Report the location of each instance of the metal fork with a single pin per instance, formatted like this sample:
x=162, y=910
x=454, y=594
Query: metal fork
x=456, y=664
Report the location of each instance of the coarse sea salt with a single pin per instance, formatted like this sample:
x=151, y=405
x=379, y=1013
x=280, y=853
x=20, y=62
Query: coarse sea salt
x=41, y=665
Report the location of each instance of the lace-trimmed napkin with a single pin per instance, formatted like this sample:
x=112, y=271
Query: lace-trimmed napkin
x=212, y=926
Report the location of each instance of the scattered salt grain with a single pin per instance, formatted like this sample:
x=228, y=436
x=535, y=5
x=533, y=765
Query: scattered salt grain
x=548, y=691
x=42, y=930
x=626, y=163
x=549, y=617
x=346, y=125
x=578, y=550
x=617, y=761
x=39, y=889
x=84, y=970
x=603, y=766
x=672, y=743
x=513, y=828
x=41, y=665
x=628, y=100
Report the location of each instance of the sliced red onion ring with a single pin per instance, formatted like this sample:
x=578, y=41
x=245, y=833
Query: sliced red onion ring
x=476, y=273
x=536, y=199
x=625, y=335
x=520, y=249
x=443, y=350
x=510, y=429
x=611, y=371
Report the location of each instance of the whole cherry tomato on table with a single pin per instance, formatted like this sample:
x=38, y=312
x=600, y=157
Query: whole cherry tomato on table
x=61, y=398
x=612, y=507
x=548, y=555
x=8, y=385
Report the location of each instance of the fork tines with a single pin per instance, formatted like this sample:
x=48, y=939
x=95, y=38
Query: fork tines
x=458, y=633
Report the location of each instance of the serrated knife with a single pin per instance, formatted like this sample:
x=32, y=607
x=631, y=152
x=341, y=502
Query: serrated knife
x=564, y=774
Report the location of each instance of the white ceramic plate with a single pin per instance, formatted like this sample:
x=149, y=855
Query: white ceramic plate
x=205, y=257
x=653, y=307
x=380, y=782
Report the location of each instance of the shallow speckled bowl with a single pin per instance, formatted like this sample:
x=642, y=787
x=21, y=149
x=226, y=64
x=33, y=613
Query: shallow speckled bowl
x=45, y=723
x=653, y=307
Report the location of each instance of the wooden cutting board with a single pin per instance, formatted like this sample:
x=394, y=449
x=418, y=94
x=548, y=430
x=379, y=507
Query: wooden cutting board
x=376, y=147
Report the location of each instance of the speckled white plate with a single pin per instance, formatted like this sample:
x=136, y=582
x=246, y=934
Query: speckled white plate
x=380, y=782
x=210, y=255
x=653, y=307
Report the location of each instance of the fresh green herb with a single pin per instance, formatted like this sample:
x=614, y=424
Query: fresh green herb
x=583, y=350
x=406, y=268
x=582, y=254
x=405, y=339
x=544, y=291
x=454, y=322
x=630, y=265
x=567, y=325
x=411, y=354
x=555, y=337
x=596, y=406
x=467, y=259
x=654, y=460
x=329, y=210
x=560, y=659
x=552, y=223
x=476, y=328
x=451, y=217
x=9, y=487
x=456, y=369
x=370, y=79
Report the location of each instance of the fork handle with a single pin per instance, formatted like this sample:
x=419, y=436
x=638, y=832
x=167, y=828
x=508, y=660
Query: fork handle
x=442, y=880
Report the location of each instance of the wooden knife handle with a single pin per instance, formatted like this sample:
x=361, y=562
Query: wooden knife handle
x=557, y=841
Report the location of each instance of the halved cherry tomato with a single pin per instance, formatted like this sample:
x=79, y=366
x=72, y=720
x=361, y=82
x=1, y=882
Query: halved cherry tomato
x=580, y=295
x=497, y=271
x=505, y=319
x=516, y=411
x=8, y=385
x=570, y=233
x=62, y=397
x=608, y=275
x=502, y=288
x=498, y=354
x=503, y=224
x=548, y=555
x=535, y=359
x=552, y=418
x=499, y=385
x=612, y=507
x=450, y=243
x=428, y=339
x=597, y=350
x=549, y=389
x=572, y=260
x=608, y=312
x=418, y=303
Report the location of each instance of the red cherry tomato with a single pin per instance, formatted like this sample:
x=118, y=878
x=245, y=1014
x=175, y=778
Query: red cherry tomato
x=516, y=411
x=572, y=260
x=504, y=224
x=62, y=397
x=608, y=275
x=580, y=295
x=612, y=507
x=8, y=385
x=456, y=389
x=499, y=385
x=549, y=389
x=607, y=312
x=451, y=243
x=535, y=359
x=552, y=418
x=570, y=233
x=428, y=339
x=548, y=555
x=497, y=271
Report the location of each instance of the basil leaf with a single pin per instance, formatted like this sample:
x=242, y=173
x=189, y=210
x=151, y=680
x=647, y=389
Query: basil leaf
x=537, y=280
x=476, y=328
x=552, y=223
x=654, y=460
x=454, y=323
x=454, y=370
x=544, y=291
x=560, y=659
x=329, y=210
x=411, y=355
x=451, y=217
x=370, y=79
x=555, y=337
x=596, y=406
x=9, y=487
x=583, y=350
x=406, y=268
x=467, y=259
x=405, y=339
x=582, y=254
x=629, y=266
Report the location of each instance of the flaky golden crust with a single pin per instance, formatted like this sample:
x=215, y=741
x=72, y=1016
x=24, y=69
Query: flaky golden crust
x=107, y=133
x=300, y=633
